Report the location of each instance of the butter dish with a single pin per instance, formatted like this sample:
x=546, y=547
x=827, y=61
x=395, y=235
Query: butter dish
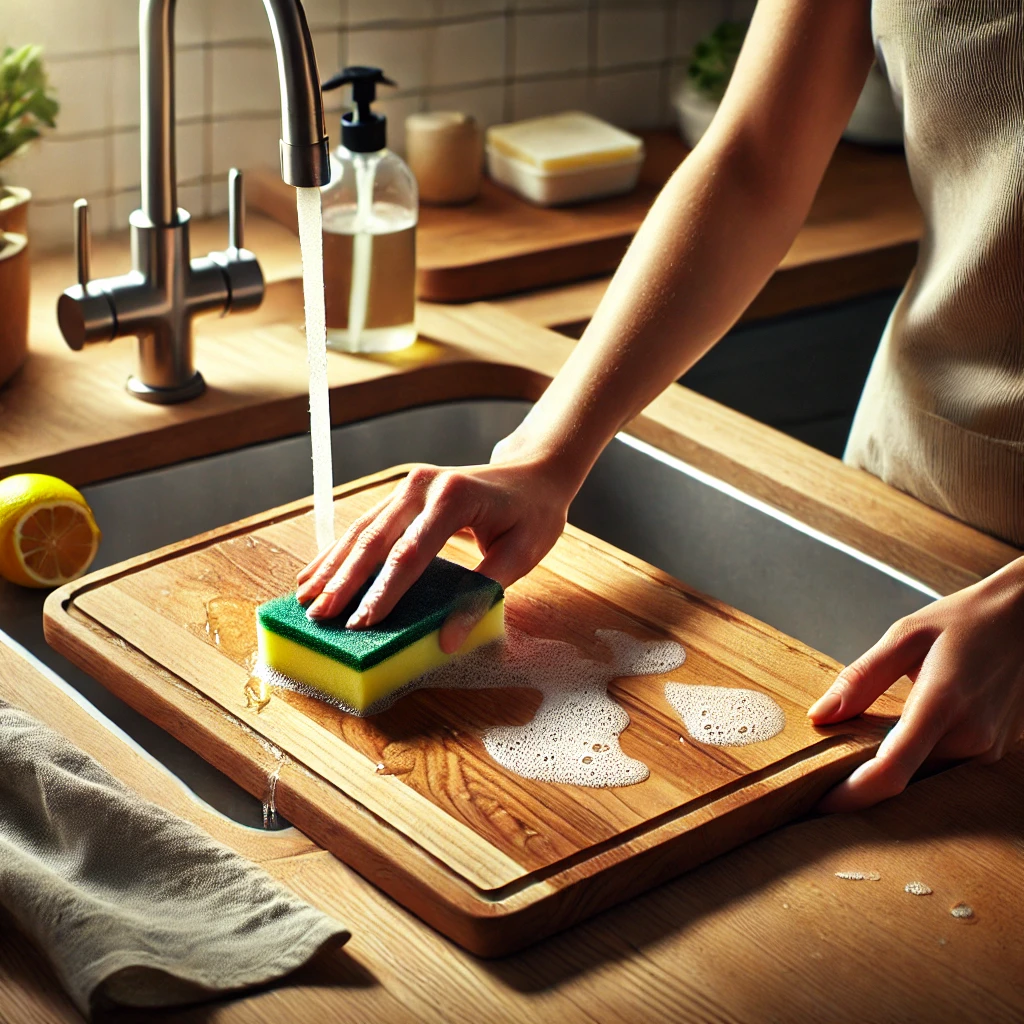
x=565, y=158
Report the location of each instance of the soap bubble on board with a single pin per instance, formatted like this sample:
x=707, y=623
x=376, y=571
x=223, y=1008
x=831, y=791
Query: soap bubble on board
x=724, y=716
x=574, y=736
x=632, y=657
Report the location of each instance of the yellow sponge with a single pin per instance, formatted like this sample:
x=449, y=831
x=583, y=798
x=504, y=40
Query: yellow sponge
x=362, y=669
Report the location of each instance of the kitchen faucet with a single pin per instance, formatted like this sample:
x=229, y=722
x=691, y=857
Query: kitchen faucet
x=165, y=289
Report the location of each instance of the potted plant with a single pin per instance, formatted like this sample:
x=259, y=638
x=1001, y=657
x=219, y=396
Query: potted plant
x=26, y=105
x=707, y=75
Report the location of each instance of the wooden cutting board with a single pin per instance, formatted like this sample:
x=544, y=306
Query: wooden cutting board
x=493, y=860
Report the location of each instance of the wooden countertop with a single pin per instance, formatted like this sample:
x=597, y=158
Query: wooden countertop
x=694, y=949
x=860, y=236
x=766, y=932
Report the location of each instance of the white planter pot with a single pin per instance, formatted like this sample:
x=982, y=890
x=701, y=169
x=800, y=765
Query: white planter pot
x=874, y=121
x=695, y=112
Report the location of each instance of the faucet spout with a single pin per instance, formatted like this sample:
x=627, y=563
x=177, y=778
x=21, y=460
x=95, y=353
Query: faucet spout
x=304, y=148
x=305, y=160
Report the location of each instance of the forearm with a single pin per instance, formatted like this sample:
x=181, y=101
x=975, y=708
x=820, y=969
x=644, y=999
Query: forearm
x=708, y=246
x=715, y=234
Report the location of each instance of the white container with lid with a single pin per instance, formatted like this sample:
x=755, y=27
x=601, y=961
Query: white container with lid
x=566, y=158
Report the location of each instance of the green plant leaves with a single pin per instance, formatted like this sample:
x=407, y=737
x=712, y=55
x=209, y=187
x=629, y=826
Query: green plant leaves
x=26, y=102
x=714, y=58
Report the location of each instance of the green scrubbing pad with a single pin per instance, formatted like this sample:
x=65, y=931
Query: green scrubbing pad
x=360, y=668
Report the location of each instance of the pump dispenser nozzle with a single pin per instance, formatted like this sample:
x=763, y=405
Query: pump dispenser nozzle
x=362, y=129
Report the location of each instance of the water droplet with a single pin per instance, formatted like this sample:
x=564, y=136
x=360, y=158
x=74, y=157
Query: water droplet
x=269, y=805
x=257, y=693
x=588, y=759
x=231, y=625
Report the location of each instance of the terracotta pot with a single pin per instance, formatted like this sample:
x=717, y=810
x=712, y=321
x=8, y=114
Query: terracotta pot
x=13, y=303
x=14, y=209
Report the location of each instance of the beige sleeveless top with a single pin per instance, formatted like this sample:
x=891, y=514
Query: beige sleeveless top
x=942, y=413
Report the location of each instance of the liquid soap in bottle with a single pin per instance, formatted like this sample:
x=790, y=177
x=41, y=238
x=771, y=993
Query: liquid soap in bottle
x=370, y=209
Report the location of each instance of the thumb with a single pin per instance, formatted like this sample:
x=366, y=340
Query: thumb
x=507, y=559
x=863, y=681
x=898, y=757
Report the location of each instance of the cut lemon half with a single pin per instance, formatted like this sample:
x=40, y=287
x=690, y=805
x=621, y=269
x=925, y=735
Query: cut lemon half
x=48, y=535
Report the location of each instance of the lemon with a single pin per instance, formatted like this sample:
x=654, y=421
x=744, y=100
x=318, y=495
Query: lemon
x=48, y=535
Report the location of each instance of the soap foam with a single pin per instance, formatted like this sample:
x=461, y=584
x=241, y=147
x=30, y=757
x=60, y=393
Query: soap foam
x=918, y=889
x=726, y=717
x=574, y=736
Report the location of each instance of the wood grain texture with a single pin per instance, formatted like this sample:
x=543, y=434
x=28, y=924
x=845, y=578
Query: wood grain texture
x=860, y=235
x=523, y=858
x=764, y=932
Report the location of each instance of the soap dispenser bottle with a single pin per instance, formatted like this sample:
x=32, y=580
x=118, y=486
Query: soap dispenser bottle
x=370, y=209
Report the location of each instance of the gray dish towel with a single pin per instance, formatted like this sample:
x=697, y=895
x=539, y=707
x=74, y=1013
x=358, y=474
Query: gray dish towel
x=133, y=905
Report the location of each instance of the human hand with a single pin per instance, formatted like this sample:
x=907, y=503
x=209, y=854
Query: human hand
x=515, y=510
x=965, y=655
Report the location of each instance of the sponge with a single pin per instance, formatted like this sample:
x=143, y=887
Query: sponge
x=361, y=669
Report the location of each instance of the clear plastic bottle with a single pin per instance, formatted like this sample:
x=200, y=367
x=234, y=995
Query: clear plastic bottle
x=370, y=210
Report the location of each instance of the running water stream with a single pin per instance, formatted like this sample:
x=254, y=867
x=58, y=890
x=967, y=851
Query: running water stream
x=311, y=243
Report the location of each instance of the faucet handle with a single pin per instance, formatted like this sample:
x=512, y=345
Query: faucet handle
x=236, y=209
x=239, y=272
x=83, y=242
x=85, y=313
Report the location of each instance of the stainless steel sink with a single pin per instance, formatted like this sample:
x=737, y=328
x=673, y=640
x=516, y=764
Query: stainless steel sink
x=699, y=530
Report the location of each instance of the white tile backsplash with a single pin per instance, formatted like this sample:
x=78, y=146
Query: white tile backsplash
x=494, y=59
x=629, y=98
x=244, y=80
x=458, y=8
x=244, y=142
x=694, y=19
x=60, y=26
x=86, y=90
x=396, y=109
x=63, y=169
x=127, y=168
x=190, y=83
x=486, y=104
x=376, y=12
x=549, y=42
x=124, y=77
x=631, y=36
x=403, y=53
x=234, y=21
x=473, y=51
x=533, y=99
